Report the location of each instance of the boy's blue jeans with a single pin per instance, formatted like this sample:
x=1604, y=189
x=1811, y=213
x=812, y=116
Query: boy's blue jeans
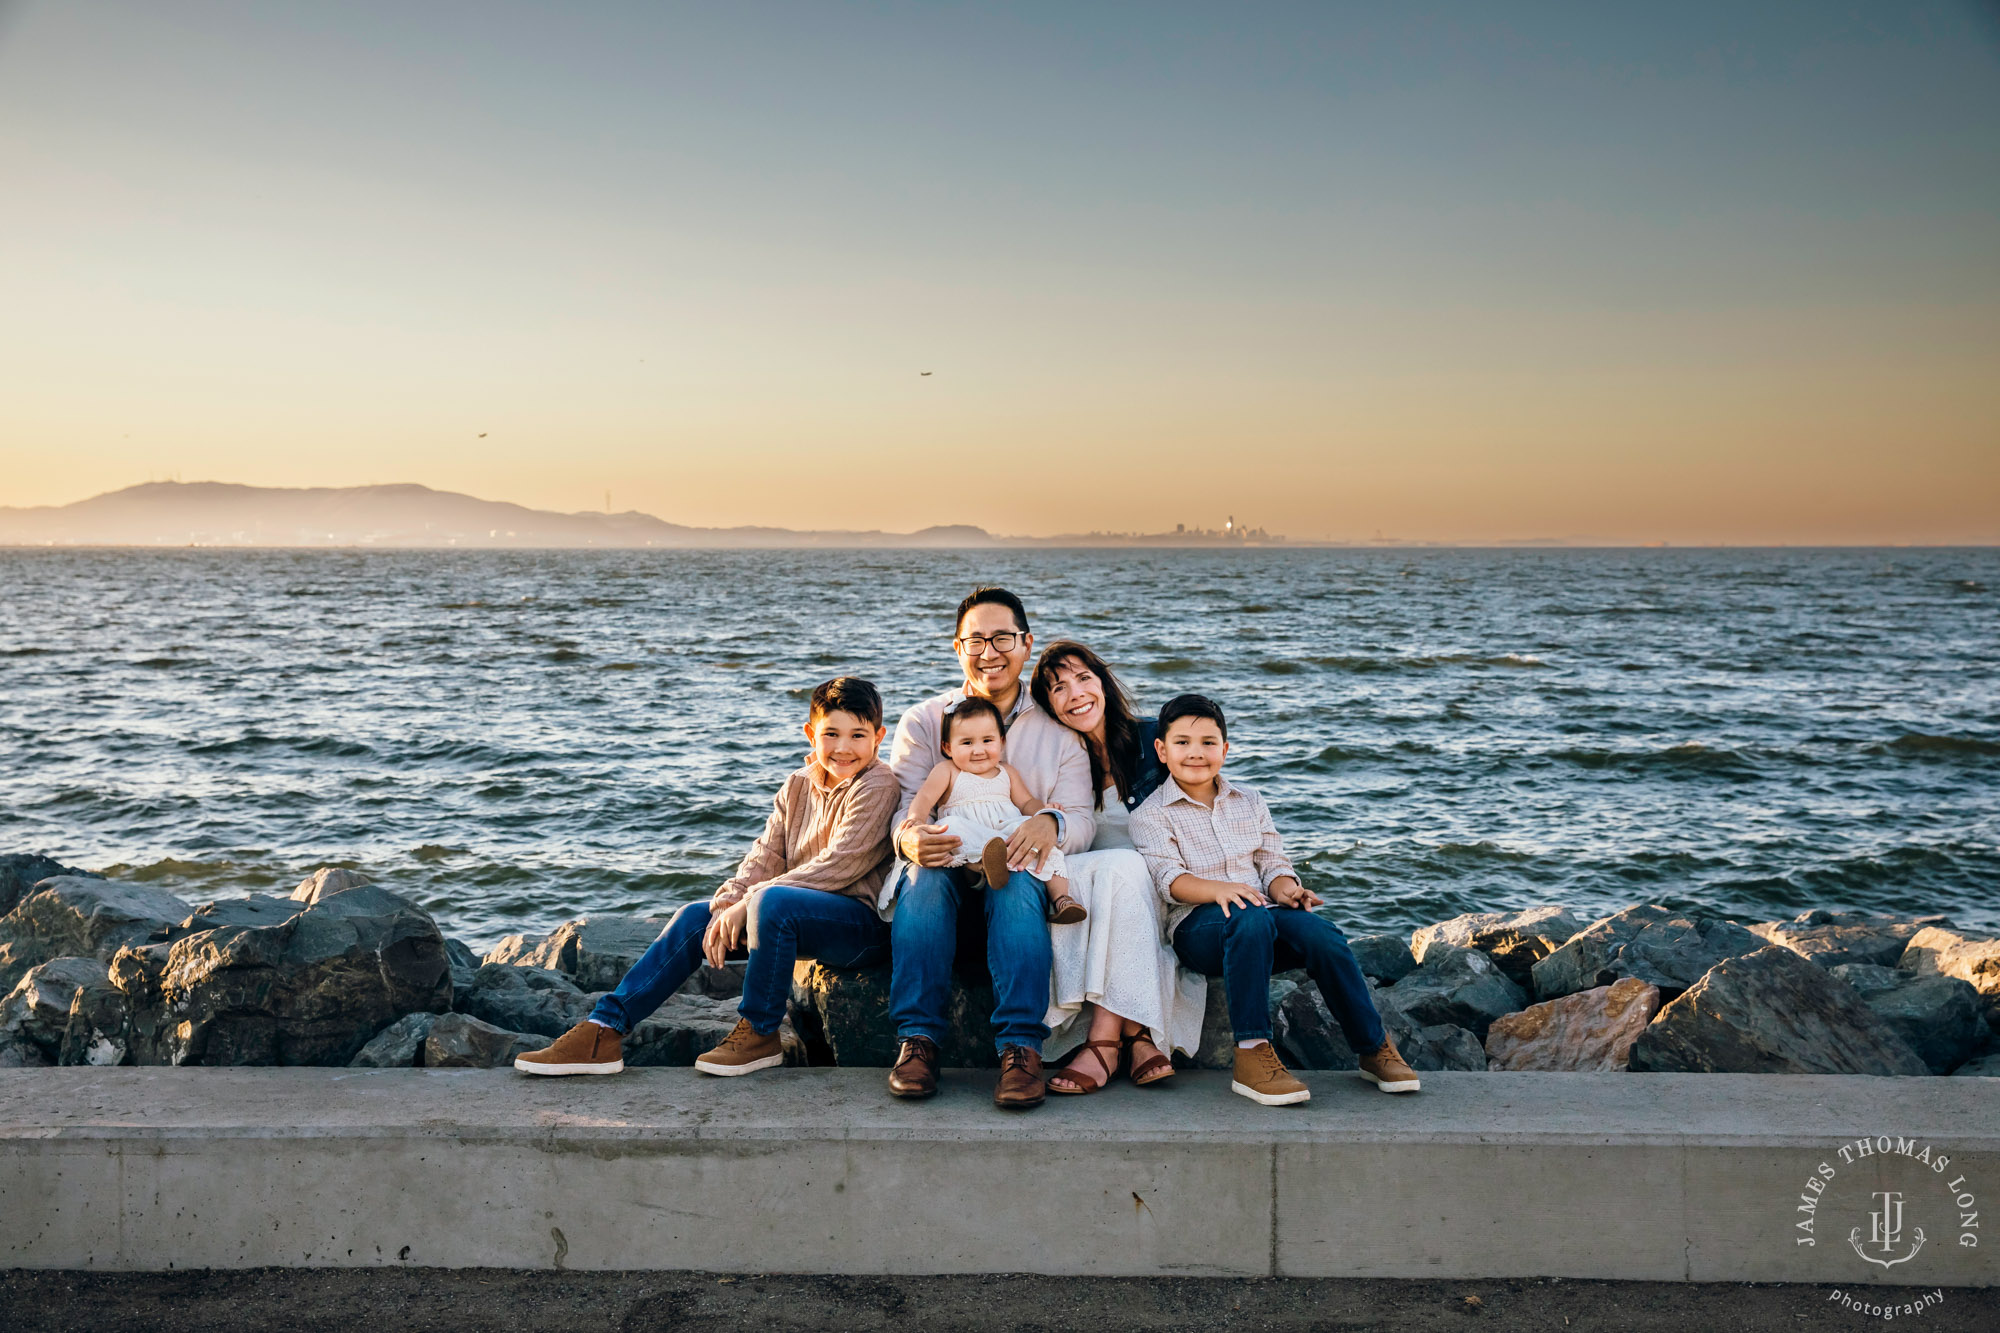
x=925, y=931
x=1247, y=946
x=791, y=924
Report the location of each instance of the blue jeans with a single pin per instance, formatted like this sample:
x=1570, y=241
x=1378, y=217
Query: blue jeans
x=925, y=930
x=1249, y=944
x=791, y=924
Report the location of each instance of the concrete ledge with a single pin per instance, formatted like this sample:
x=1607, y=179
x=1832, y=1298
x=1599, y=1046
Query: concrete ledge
x=1659, y=1177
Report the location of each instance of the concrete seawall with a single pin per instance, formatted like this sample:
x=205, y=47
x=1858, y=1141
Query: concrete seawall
x=1697, y=1177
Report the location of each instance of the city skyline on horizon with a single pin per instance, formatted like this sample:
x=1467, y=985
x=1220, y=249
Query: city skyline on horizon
x=1446, y=275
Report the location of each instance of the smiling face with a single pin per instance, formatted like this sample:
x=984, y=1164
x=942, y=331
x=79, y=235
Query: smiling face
x=1076, y=697
x=1193, y=751
x=975, y=745
x=990, y=672
x=843, y=744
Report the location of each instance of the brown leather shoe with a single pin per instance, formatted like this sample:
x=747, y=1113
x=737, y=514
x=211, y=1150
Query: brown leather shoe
x=1386, y=1068
x=916, y=1069
x=587, y=1048
x=1021, y=1084
x=743, y=1051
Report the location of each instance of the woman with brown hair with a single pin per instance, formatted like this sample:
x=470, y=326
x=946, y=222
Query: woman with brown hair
x=1118, y=995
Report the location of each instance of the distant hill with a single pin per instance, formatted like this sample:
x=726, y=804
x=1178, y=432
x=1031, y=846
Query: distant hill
x=212, y=513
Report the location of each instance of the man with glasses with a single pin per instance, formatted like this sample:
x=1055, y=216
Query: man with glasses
x=925, y=894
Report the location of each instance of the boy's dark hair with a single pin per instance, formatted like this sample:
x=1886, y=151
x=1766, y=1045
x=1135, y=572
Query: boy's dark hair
x=970, y=706
x=848, y=694
x=984, y=595
x=1192, y=705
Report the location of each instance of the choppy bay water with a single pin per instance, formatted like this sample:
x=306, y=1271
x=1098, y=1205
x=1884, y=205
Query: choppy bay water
x=514, y=738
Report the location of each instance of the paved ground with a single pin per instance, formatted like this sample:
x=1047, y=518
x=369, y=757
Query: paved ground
x=391, y=1301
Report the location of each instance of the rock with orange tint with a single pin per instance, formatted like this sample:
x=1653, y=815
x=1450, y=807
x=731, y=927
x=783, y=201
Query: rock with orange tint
x=1589, y=1032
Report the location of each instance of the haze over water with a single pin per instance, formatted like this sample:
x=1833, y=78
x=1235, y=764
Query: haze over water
x=516, y=738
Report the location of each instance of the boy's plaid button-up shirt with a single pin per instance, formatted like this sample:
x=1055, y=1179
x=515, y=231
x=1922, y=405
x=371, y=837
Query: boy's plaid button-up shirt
x=1233, y=840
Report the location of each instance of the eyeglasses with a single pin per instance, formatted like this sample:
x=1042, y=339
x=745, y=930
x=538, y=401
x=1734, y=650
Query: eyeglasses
x=975, y=645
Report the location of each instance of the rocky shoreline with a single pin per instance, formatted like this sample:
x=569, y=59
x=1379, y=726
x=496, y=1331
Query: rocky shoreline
x=346, y=972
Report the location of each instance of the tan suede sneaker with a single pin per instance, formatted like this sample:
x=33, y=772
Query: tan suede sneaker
x=1262, y=1077
x=1387, y=1070
x=587, y=1048
x=743, y=1051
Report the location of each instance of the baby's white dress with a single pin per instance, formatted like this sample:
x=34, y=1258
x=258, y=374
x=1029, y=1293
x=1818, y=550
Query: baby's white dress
x=1118, y=957
x=977, y=810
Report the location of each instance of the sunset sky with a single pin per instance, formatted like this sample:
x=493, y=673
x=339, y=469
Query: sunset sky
x=1688, y=273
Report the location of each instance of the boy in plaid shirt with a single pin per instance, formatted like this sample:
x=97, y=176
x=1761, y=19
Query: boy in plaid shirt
x=1236, y=909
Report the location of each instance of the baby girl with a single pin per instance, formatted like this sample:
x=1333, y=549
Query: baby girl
x=984, y=800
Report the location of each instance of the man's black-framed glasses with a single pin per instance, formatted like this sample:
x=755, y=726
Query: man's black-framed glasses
x=975, y=645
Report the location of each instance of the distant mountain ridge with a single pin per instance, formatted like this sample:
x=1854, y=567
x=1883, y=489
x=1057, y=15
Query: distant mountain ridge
x=216, y=513
x=213, y=513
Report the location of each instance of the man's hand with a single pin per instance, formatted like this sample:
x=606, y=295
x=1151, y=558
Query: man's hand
x=1237, y=895
x=929, y=844
x=1288, y=892
x=725, y=932
x=1031, y=844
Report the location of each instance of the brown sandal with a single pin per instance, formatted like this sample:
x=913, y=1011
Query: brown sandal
x=1065, y=911
x=1085, y=1083
x=1159, y=1067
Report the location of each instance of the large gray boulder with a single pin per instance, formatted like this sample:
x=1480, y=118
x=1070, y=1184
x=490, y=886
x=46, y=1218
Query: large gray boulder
x=1668, y=948
x=398, y=1046
x=1835, y=939
x=1458, y=987
x=37, y=1009
x=310, y=990
x=21, y=871
x=1772, y=1012
x=524, y=999
x=458, y=1041
x=79, y=917
x=1938, y=1016
x=1386, y=958
x=1515, y=941
x=1986, y=1066
x=1591, y=1031
x=1935, y=952
x=843, y=1014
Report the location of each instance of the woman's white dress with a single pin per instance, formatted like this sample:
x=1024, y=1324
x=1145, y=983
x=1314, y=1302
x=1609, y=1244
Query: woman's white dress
x=1117, y=957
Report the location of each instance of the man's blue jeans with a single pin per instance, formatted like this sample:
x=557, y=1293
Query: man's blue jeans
x=925, y=931
x=1249, y=944
x=791, y=924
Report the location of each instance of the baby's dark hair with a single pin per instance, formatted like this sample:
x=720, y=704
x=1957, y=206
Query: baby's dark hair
x=848, y=694
x=1193, y=705
x=965, y=708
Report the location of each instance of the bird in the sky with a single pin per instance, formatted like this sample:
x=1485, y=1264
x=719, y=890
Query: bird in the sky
x=923, y=372
x=482, y=434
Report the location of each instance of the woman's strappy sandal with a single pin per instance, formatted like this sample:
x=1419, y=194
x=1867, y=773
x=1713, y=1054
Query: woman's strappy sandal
x=1159, y=1067
x=1065, y=910
x=1085, y=1083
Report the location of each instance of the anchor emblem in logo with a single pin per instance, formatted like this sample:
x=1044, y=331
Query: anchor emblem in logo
x=1885, y=1232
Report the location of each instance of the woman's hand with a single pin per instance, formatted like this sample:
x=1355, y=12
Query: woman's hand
x=1031, y=844
x=1237, y=895
x=929, y=844
x=725, y=933
x=1288, y=892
